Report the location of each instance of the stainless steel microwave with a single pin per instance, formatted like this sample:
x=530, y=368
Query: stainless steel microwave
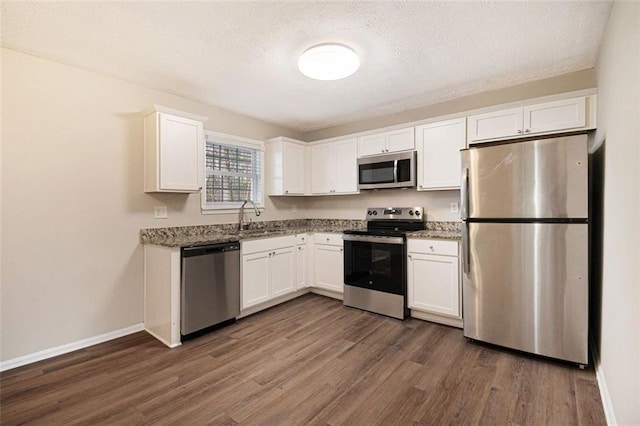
x=387, y=171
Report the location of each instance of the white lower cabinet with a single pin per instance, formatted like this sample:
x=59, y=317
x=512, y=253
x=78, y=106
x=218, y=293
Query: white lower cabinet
x=268, y=269
x=434, y=277
x=302, y=262
x=328, y=262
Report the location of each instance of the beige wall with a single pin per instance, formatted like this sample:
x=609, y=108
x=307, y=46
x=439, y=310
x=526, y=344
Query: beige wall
x=618, y=75
x=578, y=80
x=436, y=203
x=73, y=201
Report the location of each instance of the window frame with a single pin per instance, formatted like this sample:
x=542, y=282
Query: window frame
x=231, y=140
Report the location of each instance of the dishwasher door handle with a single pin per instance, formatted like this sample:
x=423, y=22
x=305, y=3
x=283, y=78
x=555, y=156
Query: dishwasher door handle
x=209, y=249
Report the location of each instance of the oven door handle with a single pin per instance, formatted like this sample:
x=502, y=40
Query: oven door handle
x=373, y=239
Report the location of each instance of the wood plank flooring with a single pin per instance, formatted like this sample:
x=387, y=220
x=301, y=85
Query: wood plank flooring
x=308, y=361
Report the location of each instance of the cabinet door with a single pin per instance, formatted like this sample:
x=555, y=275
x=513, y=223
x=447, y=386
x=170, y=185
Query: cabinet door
x=346, y=166
x=433, y=284
x=302, y=267
x=293, y=163
x=282, y=272
x=322, y=168
x=497, y=124
x=553, y=116
x=180, y=140
x=372, y=144
x=329, y=267
x=400, y=140
x=255, y=278
x=439, y=146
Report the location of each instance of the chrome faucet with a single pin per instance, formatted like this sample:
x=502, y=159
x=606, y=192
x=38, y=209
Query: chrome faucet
x=241, y=223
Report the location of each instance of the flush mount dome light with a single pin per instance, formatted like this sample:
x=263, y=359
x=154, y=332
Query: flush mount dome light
x=329, y=61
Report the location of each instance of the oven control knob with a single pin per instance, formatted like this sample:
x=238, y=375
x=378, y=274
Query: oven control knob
x=375, y=212
x=369, y=212
x=417, y=212
x=411, y=212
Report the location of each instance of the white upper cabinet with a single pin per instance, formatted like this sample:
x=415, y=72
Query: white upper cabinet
x=438, y=146
x=542, y=118
x=172, y=146
x=334, y=167
x=286, y=161
x=346, y=175
x=385, y=142
x=559, y=115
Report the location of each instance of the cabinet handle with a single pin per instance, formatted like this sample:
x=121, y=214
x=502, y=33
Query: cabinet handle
x=386, y=150
x=409, y=256
x=519, y=130
x=327, y=239
x=299, y=248
x=527, y=130
x=303, y=239
x=382, y=150
x=341, y=249
x=431, y=248
x=286, y=191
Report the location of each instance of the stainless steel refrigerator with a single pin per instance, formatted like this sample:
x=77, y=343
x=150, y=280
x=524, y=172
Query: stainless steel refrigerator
x=525, y=246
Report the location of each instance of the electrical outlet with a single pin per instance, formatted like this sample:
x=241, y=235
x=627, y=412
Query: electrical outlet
x=294, y=208
x=454, y=207
x=160, y=212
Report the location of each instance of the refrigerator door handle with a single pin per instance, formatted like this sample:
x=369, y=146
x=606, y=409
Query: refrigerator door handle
x=465, y=248
x=464, y=194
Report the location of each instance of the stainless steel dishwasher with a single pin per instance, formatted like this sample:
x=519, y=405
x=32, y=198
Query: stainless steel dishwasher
x=210, y=287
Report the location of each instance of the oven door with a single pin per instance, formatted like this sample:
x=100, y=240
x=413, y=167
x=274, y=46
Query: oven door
x=375, y=263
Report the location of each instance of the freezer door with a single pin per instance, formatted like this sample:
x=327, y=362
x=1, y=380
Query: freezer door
x=544, y=178
x=526, y=287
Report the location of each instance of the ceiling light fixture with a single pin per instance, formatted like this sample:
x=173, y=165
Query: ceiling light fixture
x=328, y=61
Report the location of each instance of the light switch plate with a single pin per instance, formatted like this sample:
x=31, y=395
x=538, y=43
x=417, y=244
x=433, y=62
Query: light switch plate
x=294, y=208
x=160, y=212
x=454, y=207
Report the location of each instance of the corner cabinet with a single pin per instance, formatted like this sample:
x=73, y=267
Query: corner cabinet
x=438, y=146
x=537, y=119
x=386, y=142
x=286, y=159
x=303, y=271
x=172, y=145
x=334, y=167
x=268, y=269
x=434, y=280
x=328, y=262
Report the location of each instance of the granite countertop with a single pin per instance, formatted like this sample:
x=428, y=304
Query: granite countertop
x=438, y=231
x=184, y=236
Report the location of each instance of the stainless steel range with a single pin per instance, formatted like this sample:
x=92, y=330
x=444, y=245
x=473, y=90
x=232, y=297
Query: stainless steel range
x=375, y=260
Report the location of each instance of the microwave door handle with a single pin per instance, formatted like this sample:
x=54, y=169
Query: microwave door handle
x=395, y=171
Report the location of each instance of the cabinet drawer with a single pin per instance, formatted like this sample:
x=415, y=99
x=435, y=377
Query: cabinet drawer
x=328, y=239
x=301, y=239
x=255, y=246
x=441, y=247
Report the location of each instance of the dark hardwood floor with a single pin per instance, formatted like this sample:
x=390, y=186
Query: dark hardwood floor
x=310, y=360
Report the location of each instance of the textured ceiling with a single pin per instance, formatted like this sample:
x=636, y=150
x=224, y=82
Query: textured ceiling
x=242, y=56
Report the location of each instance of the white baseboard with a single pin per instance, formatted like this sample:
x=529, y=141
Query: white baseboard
x=441, y=319
x=602, y=386
x=69, y=347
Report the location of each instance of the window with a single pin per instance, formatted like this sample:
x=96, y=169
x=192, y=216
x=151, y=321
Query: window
x=232, y=172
